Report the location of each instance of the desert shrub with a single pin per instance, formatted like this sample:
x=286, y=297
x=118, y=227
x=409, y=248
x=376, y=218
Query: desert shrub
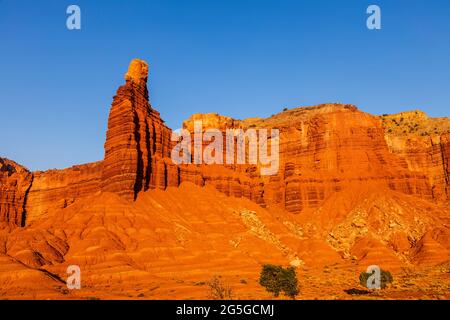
x=218, y=290
x=386, y=278
x=285, y=109
x=277, y=279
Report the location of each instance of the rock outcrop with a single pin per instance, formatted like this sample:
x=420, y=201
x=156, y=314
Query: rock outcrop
x=15, y=182
x=423, y=143
x=323, y=150
x=57, y=189
x=136, y=140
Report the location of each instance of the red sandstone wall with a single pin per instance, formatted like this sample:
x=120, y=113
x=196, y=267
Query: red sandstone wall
x=56, y=189
x=322, y=150
x=136, y=139
x=15, y=181
x=445, y=147
x=425, y=155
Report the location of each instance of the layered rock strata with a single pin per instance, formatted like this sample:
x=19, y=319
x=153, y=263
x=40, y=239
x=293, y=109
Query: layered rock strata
x=136, y=140
x=15, y=182
x=323, y=150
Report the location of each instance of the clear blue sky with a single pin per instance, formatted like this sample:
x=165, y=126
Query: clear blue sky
x=238, y=58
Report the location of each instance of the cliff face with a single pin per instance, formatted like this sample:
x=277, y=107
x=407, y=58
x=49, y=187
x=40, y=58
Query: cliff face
x=57, y=189
x=323, y=150
x=445, y=145
x=15, y=181
x=423, y=143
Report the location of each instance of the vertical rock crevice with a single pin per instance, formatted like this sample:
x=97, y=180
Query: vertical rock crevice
x=24, y=204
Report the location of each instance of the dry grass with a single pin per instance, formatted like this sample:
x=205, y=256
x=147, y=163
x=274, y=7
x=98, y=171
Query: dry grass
x=219, y=290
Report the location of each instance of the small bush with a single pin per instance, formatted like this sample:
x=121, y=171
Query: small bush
x=386, y=278
x=285, y=109
x=276, y=279
x=219, y=291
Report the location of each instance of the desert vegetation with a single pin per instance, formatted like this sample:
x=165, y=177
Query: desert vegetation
x=386, y=278
x=277, y=279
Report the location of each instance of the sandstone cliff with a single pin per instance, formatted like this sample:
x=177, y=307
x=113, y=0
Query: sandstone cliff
x=15, y=182
x=423, y=142
x=136, y=140
x=323, y=150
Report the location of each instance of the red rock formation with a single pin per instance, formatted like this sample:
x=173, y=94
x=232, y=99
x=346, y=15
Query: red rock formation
x=422, y=142
x=57, y=189
x=136, y=139
x=15, y=182
x=323, y=150
x=445, y=149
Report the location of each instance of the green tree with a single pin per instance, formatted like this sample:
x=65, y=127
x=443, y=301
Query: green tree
x=277, y=279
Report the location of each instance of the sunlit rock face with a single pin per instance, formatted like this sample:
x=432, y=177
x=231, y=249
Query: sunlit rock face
x=15, y=182
x=137, y=139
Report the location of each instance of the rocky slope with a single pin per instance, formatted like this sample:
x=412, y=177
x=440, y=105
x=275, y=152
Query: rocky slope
x=352, y=189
